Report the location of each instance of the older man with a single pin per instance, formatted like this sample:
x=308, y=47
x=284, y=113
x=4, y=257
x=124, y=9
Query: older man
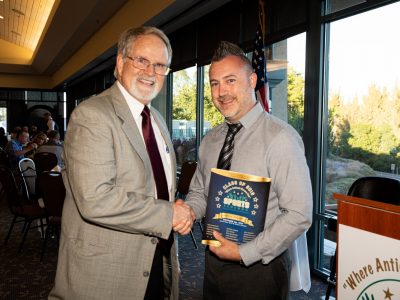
x=18, y=147
x=118, y=216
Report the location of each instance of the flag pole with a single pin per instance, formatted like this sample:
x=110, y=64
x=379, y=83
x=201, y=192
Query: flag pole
x=259, y=60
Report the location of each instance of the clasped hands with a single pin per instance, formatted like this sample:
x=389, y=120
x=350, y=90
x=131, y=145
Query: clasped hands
x=183, y=217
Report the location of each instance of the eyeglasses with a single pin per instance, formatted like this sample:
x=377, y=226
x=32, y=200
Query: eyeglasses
x=143, y=63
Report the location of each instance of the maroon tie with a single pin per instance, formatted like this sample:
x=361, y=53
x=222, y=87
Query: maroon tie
x=158, y=171
x=154, y=155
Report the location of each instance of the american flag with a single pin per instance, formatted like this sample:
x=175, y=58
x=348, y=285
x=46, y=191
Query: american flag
x=259, y=66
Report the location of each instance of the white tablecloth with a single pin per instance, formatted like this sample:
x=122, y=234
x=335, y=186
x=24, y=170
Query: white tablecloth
x=300, y=275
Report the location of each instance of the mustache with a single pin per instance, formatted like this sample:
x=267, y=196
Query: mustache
x=147, y=78
x=226, y=98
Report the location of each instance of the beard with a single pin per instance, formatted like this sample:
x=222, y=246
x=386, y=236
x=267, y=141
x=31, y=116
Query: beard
x=227, y=110
x=142, y=92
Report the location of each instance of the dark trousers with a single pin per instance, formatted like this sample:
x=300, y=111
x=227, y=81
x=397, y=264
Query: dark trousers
x=155, y=286
x=229, y=280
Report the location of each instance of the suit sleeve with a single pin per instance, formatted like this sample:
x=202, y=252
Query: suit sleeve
x=110, y=190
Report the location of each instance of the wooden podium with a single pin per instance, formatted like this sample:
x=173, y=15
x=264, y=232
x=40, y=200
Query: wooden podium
x=368, y=257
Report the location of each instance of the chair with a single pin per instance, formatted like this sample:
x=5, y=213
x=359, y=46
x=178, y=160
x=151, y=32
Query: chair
x=18, y=205
x=4, y=159
x=380, y=189
x=53, y=192
x=45, y=161
x=185, y=177
x=28, y=172
x=187, y=171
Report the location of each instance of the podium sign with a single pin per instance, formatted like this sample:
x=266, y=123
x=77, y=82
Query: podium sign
x=369, y=265
x=368, y=257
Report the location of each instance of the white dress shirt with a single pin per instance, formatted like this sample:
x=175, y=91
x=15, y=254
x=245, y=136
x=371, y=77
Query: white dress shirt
x=136, y=109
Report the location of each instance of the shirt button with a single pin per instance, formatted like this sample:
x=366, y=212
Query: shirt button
x=146, y=274
x=154, y=241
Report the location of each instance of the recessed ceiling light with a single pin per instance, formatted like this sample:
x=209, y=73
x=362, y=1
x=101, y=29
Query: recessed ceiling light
x=14, y=32
x=1, y=17
x=18, y=12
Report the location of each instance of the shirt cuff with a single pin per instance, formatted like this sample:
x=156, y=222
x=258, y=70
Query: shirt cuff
x=249, y=253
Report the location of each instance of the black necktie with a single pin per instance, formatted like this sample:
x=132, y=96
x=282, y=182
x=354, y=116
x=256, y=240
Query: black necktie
x=154, y=155
x=225, y=156
x=158, y=171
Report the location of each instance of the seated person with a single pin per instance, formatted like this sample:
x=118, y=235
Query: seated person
x=53, y=145
x=39, y=139
x=14, y=132
x=16, y=148
x=33, y=131
x=3, y=138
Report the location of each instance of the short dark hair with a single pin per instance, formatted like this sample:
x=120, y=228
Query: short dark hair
x=226, y=48
x=19, y=133
x=16, y=129
x=53, y=134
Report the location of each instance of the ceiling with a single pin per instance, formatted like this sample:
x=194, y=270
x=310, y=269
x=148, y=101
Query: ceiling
x=79, y=35
x=22, y=22
x=71, y=24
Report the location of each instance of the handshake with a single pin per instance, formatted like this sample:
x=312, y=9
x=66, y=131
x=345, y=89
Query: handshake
x=183, y=217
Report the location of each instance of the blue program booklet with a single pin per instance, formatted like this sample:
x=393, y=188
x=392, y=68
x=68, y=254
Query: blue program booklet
x=237, y=206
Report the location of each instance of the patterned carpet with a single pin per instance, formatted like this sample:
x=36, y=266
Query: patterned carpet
x=23, y=276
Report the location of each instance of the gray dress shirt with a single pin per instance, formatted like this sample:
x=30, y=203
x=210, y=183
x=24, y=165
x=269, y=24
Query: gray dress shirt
x=268, y=147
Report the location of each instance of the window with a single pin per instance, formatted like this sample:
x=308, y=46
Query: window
x=3, y=118
x=184, y=115
x=338, y=5
x=286, y=80
x=212, y=116
x=285, y=72
x=362, y=111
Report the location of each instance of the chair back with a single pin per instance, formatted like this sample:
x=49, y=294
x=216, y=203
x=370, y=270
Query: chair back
x=28, y=172
x=4, y=159
x=53, y=191
x=44, y=161
x=187, y=171
x=380, y=189
x=9, y=186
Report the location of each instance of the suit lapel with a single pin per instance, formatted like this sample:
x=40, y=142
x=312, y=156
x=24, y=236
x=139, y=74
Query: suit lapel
x=132, y=131
x=129, y=125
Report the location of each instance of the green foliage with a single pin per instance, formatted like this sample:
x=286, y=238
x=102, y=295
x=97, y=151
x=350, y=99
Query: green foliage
x=367, y=131
x=296, y=100
x=338, y=127
x=184, y=101
x=211, y=114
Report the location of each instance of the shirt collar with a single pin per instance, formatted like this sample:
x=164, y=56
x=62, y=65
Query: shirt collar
x=251, y=117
